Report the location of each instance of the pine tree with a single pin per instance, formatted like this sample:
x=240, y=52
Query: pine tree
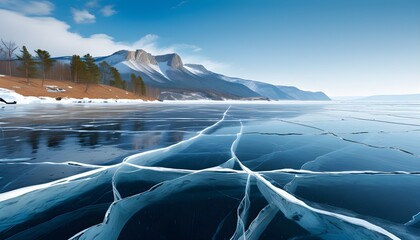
x=133, y=82
x=28, y=64
x=116, y=78
x=45, y=62
x=77, y=68
x=92, y=71
x=142, y=85
x=105, y=74
x=138, y=84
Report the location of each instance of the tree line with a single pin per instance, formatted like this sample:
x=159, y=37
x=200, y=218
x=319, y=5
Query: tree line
x=80, y=69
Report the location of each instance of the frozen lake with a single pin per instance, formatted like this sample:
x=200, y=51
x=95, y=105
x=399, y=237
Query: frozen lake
x=329, y=170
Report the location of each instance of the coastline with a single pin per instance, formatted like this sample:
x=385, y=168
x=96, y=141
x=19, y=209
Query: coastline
x=17, y=89
x=65, y=92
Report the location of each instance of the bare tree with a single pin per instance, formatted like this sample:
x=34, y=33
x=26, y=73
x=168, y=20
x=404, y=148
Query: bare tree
x=2, y=53
x=2, y=56
x=9, y=48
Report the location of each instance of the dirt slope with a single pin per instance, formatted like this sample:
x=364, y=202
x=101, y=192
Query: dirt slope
x=72, y=90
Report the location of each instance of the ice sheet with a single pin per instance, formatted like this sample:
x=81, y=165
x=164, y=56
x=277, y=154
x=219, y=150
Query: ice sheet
x=210, y=171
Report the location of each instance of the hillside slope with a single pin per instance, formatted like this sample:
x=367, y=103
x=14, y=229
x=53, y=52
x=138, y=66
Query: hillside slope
x=72, y=90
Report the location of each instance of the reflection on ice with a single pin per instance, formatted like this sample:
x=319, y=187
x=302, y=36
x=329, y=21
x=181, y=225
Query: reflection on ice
x=212, y=172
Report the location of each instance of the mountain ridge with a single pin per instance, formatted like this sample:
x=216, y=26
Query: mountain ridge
x=180, y=81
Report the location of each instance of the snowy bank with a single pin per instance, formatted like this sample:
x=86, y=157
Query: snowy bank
x=10, y=96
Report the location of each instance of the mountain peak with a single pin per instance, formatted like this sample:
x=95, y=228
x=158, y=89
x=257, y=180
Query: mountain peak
x=141, y=56
x=138, y=55
x=172, y=60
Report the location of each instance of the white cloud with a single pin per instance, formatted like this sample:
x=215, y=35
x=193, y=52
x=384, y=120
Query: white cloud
x=101, y=36
x=150, y=44
x=55, y=36
x=38, y=8
x=92, y=4
x=108, y=10
x=82, y=16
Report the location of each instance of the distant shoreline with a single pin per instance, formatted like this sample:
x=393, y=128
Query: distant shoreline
x=55, y=91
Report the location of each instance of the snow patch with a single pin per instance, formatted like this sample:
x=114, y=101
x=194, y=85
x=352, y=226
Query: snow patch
x=193, y=70
x=163, y=67
x=160, y=69
x=11, y=96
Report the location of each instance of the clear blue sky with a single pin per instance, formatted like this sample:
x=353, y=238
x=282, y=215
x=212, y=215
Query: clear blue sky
x=342, y=47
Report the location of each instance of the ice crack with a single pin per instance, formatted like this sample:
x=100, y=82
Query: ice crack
x=316, y=221
x=371, y=145
x=382, y=121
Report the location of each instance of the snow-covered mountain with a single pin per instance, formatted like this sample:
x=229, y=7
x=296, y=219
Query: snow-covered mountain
x=191, y=81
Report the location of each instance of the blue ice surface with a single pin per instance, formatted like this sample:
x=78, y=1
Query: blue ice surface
x=210, y=171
